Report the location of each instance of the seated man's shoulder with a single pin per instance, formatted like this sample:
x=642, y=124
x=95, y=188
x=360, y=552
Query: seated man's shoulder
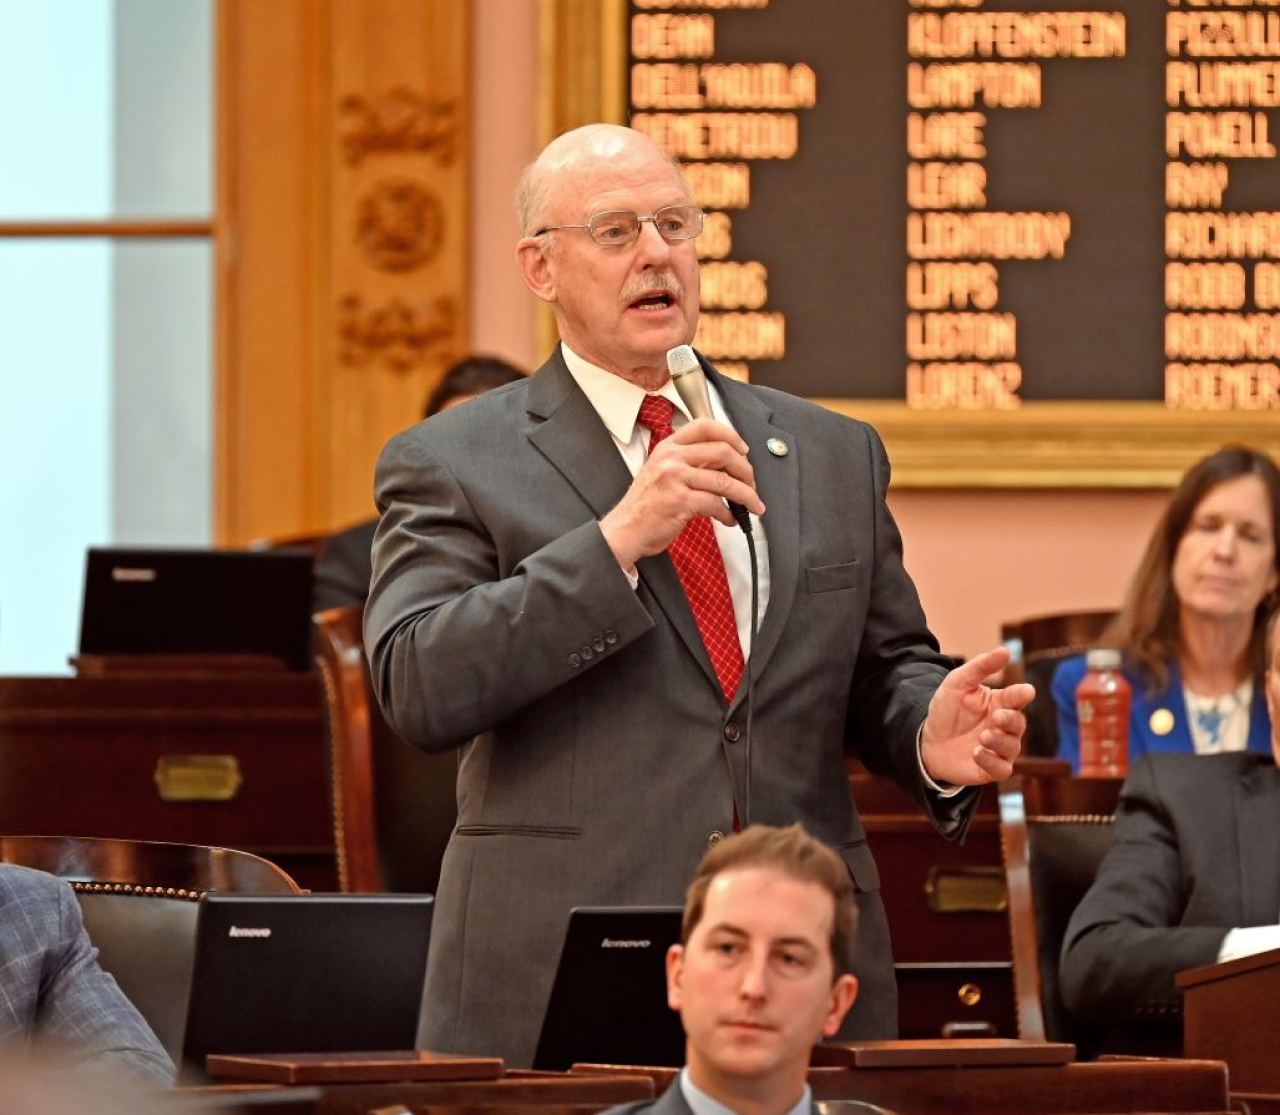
x=38, y=911
x=1174, y=770
x=17, y=882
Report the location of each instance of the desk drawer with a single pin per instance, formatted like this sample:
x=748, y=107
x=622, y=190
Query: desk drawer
x=956, y=1000
x=238, y=763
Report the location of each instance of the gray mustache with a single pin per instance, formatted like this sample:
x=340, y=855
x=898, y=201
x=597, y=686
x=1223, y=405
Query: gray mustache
x=654, y=283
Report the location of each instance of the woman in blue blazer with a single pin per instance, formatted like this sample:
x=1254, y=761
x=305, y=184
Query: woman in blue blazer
x=1191, y=628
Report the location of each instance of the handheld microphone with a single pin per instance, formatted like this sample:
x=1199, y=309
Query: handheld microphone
x=691, y=386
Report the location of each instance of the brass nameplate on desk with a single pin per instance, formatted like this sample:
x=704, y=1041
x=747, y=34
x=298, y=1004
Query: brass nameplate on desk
x=198, y=777
x=967, y=890
x=351, y=1068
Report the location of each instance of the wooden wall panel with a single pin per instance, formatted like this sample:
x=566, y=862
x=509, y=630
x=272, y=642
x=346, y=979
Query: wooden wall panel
x=266, y=229
x=344, y=148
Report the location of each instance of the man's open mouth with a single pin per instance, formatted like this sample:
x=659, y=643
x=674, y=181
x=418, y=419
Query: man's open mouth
x=654, y=300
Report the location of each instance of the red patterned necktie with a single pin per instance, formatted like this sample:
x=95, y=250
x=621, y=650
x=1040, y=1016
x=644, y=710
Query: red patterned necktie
x=700, y=565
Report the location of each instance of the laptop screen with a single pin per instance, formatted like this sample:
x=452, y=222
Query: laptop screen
x=608, y=1004
x=310, y=973
x=172, y=601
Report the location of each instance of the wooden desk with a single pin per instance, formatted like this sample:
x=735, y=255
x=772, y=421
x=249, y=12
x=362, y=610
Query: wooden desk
x=111, y=756
x=1232, y=1011
x=1111, y=1087
x=545, y=1094
x=947, y=911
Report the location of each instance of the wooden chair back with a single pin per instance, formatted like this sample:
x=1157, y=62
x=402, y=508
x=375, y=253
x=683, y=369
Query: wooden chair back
x=1045, y=642
x=139, y=900
x=393, y=805
x=1054, y=832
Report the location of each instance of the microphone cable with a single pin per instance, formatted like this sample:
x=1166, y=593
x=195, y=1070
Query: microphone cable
x=691, y=385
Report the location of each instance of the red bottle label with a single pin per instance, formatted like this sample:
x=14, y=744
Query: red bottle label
x=1102, y=703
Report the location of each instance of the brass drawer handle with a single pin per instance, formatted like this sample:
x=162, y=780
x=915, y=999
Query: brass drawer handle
x=198, y=777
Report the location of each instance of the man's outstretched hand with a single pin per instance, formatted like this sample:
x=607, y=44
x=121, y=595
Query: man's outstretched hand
x=973, y=733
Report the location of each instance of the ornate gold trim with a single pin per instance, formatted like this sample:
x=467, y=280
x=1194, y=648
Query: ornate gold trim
x=1054, y=445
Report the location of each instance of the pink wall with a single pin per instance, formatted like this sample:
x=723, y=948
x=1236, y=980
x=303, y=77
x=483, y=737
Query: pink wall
x=505, y=99
x=983, y=557
x=978, y=557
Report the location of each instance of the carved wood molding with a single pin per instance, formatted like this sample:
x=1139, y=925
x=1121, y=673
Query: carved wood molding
x=395, y=334
x=343, y=210
x=401, y=120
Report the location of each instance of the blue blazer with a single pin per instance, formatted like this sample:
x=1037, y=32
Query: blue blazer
x=52, y=990
x=1142, y=738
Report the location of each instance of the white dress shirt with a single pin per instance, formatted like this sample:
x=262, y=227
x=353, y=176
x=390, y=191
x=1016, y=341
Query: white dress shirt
x=617, y=401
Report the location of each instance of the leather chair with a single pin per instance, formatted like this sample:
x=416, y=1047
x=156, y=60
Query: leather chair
x=1045, y=641
x=394, y=806
x=1054, y=832
x=139, y=900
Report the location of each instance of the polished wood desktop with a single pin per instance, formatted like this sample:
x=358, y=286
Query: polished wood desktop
x=907, y=1077
x=545, y=1093
x=234, y=759
x=1232, y=1011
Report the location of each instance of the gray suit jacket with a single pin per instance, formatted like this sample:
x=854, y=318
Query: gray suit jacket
x=672, y=1102
x=52, y=990
x=1194, y=855
x=605, y=757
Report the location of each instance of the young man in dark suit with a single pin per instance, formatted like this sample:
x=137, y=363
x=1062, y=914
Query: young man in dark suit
x=761, y=974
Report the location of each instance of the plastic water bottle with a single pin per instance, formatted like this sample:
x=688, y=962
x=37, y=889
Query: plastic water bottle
x=1102, y=704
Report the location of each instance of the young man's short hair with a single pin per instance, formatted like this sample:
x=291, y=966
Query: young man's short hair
x=792, y=852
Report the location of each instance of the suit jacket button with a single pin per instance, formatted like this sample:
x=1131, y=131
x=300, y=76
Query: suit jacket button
x=587, y=653
x=611, y=636
x=574, y=660
x=598, y=643
x=714, y=837
x=732, y=732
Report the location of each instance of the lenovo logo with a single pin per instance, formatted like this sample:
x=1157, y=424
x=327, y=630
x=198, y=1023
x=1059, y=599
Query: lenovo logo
x=124, y=573
x=248, y=931
x=610, y=943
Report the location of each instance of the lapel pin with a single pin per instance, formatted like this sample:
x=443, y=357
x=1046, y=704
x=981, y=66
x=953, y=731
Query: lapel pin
x=1161, y=722
x=777, y=447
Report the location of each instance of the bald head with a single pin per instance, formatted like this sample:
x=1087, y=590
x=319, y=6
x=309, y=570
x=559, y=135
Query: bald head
x=572, y=157
x=621, y=305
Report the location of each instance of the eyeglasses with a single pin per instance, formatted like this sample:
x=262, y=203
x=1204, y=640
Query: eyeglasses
x=619, y=227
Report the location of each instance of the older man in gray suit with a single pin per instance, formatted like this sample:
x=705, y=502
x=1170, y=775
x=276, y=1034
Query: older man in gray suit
x=54, y=995
x=556, y=574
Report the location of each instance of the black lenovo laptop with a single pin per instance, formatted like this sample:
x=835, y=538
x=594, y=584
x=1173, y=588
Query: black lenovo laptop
x=609, y=1001
x=173, y=601
x=306, y=973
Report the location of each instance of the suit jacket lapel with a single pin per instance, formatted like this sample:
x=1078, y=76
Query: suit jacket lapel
x=1258, y=829
x=672, y=1101
x=778, y=482
x=566, y=429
